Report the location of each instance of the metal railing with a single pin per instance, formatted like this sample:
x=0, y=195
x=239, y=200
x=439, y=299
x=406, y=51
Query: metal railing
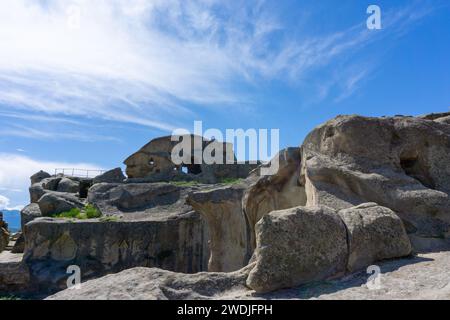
x=81, y=173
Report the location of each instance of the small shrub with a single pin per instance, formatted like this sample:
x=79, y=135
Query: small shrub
x=92, y=212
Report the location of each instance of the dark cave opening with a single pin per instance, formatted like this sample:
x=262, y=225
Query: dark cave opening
x=413, y=168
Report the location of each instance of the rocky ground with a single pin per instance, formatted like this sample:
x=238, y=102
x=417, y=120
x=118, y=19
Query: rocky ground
x=422, y=277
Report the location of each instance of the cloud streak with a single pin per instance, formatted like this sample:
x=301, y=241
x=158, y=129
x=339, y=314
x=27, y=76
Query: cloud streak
x=15, y=171
x=143, y=62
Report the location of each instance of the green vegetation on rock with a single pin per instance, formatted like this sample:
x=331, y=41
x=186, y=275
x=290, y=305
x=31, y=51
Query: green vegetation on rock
x=185, y=183
x=88, y=212
x=231, y=181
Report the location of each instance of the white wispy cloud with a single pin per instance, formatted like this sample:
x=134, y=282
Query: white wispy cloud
x=16, y=170
x=142, y=62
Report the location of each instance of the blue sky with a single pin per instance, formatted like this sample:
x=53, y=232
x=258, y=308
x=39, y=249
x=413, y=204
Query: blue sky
x=86, y=90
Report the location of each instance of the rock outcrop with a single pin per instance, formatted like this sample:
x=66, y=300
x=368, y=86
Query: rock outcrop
x=54, y=203
x=29, y=213
x=112, y=176
x=4, y=234
x=154, y=161
x=400, y=163
x=148, y=225
x=374, y=233
x=222, y=209
x=157, y=284
x=68, y=185
x=279, y=191
x=14, y=274
x=39, y=176
x=359, y=190
x=298, y=246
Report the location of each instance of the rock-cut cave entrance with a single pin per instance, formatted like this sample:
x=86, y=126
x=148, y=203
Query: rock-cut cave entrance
x=413, y=167
x=192, y=168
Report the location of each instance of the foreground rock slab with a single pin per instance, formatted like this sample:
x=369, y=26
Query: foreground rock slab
x=423, y=277
x=14, y=274
x=157, y=284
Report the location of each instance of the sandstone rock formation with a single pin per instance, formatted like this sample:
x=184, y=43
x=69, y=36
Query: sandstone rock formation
x=400, y=163
x=157, y=284
x=359, y=190
x=29, y=213
x=154, y=160
x=147, y=225
x=4, y=234
x=39, y=176
x=297, y=246
x=112, y=176
x=279, y=191
x=68, y=185
x=222, y=209
x=14, y=274
x=374, y=233
x=54, y=203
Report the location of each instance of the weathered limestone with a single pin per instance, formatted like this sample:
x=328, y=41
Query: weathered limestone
x=399, y=163
x=274, y=192
x=29, y=213
x=19, y=245
x=157, y=284
x=222, y=209
x=55, y=203
x=14, y=274
x=39, y=176
x=112, y=176
x=147, y=225
x=154, y=160
x=68, y=185
x=374, y=233
x=101, y=247
x=4, y=234
x=298, y=246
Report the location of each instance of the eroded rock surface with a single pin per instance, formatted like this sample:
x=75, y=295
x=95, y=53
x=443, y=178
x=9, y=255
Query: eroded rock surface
x=157, y=284
x=400, y=163
x=297, y=246
x=222, y=209
x=374, y=233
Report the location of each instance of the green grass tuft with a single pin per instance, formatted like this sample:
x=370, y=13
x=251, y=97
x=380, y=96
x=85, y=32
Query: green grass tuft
x=231, y=181
x=185, y=183
x=88, y=212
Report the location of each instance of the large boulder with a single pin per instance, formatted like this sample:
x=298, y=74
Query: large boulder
x=374, y=233
x=38, y=189
x=54, y=203
x=14, y=275
x=19, y=244
x=68, y=185
x=29, y=213
x=222, y=209
x=157, y=284
x=39, y=176
x=298, y=246
x=112, y=176
x=404, y=168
